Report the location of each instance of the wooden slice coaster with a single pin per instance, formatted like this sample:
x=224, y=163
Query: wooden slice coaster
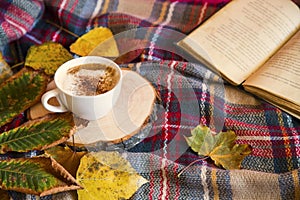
x=128, y=116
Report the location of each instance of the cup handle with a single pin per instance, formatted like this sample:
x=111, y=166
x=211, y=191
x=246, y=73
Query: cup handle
x=48, y=95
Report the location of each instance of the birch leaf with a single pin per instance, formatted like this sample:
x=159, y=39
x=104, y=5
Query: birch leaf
x=47, y=57
x=39, y=176
x=65, y=156
x=98, y=42
x=5, y=71
x=38, y=134
x=221, y=147
x=106, y=175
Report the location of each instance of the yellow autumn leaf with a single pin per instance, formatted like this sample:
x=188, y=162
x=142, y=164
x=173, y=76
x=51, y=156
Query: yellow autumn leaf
x=65, y=156
x=47, y=57
x=70, y=160
x=221, y=147
x=107, y=175
x=97, y=42
x=5, y=71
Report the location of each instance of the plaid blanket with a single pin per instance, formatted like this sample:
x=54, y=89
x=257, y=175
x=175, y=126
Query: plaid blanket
x=189, y=94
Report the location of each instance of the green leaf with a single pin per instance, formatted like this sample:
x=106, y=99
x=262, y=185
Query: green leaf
x=39, y=175
x=20, y=92
x=38, y=134
x=47, y=57
x=219, y=147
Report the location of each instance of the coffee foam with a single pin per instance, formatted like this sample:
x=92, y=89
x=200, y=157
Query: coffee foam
x=90, y=79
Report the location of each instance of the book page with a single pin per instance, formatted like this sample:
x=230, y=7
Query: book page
x=281, y=74
x=243, y=35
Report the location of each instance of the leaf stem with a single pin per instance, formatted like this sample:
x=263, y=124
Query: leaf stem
x=17, y=65
x=192, y=163
x=62, y=28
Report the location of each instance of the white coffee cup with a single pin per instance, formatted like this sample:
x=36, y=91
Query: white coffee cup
x=90, y=107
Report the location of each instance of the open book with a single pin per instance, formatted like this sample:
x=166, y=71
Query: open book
x=255, y=43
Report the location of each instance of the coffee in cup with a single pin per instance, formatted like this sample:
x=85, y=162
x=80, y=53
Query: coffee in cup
x=90, y=79
x=87, y=86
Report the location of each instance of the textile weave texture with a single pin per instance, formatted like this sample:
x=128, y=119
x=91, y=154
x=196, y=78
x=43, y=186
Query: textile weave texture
x=189, y=94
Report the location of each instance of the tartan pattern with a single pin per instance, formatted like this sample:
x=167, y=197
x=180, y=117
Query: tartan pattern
x=185, y=100
x=17, y=18
x=17, y=121
x=273, y=134
x=62, y=21
x=202, y=182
